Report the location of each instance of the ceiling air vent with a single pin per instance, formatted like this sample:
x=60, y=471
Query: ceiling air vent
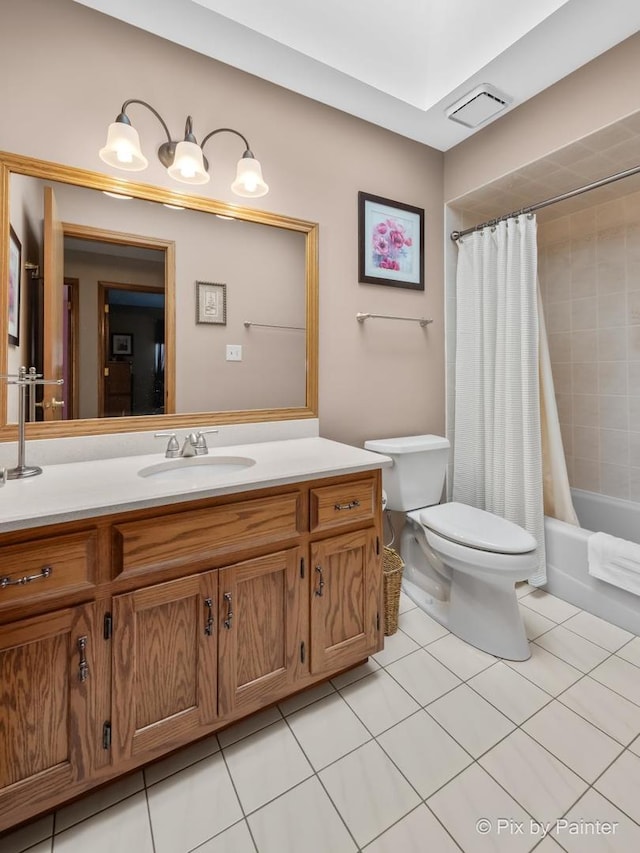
x=478, y=106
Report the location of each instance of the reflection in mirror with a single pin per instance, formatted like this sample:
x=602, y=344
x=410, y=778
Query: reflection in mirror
x=124, y=330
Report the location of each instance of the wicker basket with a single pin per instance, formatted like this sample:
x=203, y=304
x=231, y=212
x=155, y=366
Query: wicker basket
x=392, y=566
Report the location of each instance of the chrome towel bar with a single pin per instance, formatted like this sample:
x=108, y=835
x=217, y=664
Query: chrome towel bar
x=360, y=317
x=248, y=323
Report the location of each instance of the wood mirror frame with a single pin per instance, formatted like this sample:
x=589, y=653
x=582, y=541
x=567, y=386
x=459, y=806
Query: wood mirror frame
x=14, y=163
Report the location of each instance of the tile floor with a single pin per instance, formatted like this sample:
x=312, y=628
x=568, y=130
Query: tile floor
x=430, y=746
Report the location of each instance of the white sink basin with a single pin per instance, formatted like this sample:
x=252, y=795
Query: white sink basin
x=196, y=470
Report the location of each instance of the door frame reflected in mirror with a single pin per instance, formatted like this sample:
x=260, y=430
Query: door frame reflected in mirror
x=14, y=163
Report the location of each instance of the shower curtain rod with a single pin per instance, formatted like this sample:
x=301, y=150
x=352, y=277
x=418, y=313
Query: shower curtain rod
x=455, y=235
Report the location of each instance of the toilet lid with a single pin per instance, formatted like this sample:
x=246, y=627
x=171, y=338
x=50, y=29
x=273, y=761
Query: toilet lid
x=476, y=528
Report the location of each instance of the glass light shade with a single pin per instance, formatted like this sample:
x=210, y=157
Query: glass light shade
x=249, y=182
x=188, y=165
x=123, y=148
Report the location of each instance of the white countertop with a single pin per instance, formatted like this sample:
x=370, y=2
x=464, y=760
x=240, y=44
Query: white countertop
x=75, y=490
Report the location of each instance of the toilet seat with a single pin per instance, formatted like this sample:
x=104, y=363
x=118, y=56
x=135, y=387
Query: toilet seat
x=476, y=528
x=476, y=560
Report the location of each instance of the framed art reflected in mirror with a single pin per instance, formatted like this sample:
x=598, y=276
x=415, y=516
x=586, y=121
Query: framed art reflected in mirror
x=211, y=303
x=15, y=283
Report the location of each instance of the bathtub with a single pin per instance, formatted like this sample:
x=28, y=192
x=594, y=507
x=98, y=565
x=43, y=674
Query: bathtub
x=566, y=547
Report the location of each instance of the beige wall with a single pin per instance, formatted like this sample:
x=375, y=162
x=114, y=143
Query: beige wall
x=379, y=379
x=601, y=92
x=589, y=265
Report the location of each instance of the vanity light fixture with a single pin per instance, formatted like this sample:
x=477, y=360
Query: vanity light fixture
x=119, y=196
x=183, y=160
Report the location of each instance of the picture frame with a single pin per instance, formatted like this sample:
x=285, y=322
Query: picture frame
x=121, y=344
x=390, y=242
x=211, y=302
x=15, y=285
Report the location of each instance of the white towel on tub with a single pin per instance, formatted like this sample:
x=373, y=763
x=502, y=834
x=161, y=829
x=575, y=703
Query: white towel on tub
x=616, y=561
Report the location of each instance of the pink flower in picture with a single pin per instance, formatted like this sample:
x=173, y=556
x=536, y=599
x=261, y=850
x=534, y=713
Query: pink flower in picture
x=391, y=244
x=396, y=239
x=380, y=245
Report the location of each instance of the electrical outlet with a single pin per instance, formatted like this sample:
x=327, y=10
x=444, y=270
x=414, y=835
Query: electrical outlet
x=234, y=352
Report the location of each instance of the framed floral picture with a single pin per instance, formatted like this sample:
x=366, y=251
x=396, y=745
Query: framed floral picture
x=390, y=242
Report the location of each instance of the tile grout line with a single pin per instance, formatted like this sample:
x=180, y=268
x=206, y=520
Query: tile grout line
x=146, y=800
x=316, y=773
x=242, y=820
x=235, y=790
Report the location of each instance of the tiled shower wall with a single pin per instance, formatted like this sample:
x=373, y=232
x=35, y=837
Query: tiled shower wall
x=589, y=268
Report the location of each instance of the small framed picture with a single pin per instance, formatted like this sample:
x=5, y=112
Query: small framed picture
x=121, y=344
x=211, y=303
x=390, y=242
x=15, y=277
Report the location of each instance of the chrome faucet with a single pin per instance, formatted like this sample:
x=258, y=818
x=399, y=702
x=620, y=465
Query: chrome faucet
x=195, y=444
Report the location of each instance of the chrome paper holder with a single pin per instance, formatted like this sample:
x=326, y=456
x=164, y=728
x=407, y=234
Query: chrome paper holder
x=26, y=379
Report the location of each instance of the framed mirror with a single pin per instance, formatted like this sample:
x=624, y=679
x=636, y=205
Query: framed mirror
x=122, y=286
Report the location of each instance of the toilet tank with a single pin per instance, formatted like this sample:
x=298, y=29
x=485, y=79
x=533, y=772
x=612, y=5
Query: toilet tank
x=416, y=478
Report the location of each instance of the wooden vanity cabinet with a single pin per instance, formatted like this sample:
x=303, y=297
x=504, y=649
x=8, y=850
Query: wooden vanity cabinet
x=189, y=652
x=196, y=616
x=47, y=712
x=262, y=629
x=164, y=682
x=345, y=600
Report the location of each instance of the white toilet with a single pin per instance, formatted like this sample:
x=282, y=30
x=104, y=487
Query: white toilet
x=461, y=563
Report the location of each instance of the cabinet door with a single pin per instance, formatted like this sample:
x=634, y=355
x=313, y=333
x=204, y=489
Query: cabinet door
x=346, y=574
x=164, y=665
x=47, y=679
x=262, y=623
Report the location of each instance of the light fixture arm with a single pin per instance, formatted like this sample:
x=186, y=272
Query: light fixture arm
x=247, y=152
x=124, y=118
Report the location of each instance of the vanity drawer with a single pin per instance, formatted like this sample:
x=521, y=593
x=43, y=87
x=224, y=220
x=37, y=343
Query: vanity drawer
x=333, y=506
x=197, y=537
x=46, y=568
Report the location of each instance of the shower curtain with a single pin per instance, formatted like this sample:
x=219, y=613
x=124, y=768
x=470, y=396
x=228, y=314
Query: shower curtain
x=555, y=479
x=497, y=442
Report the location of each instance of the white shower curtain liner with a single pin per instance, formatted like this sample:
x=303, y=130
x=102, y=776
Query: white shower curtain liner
x=555, y=479
x=497, y=445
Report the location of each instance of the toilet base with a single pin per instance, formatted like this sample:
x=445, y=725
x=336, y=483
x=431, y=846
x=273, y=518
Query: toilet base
x=485, y=615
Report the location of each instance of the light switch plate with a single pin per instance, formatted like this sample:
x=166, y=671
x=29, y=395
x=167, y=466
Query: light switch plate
x=234, y=352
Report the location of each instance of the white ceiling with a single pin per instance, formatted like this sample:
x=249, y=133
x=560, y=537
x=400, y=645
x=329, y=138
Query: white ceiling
x=397, y=64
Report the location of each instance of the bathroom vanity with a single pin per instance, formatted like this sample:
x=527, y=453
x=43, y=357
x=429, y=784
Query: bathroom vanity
x=138, y=614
